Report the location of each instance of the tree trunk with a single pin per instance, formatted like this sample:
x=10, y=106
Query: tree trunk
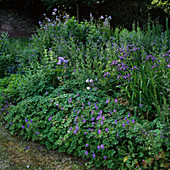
x=77, y=10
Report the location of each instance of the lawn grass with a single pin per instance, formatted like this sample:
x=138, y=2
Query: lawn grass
x=23, y=41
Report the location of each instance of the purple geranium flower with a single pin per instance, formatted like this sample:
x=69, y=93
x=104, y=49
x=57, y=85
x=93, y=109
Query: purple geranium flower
x=93, y=155
x=102, y=146
x=86, y=152
x=87, y=145
x=99, y=131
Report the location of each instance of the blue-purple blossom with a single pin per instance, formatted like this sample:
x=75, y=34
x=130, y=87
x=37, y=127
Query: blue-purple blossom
x=37, y=132
x=128, y=122
x=98, y=147
x=93, y=155
x=75, y=131
x=86, y=152
x=87, y=145
x=23, y=127
x=28, y=125
x=84, y=120
x=102, y=146
x=26, y=120
x=133, y=121
x=115, y=121
x=99, y=131
x=89, y=103
x=115, y=100
x=31, y=121
x=92, y=119
x=123, y=124
x=70, y=128
x=77, y=128
x=104, y=157
x=106, y=129
x=107, y=101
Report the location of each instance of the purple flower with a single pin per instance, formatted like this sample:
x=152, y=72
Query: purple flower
x=128, y=122
x=31, y=121
x=61, y=59
x=85, y=133
x=115, y=100
x=140, y=105
x=92, y=123
x=89, y=103
x=55, y=10
x=133, y=121
x=128, y=114
x=78, y=111
x=70, y=128
x=75, y=131
x=77, y=94
x=103, y=118
x=100, y=111
x=104, y=157
x=114, y=110
x=98, y=147
x=92, y=118
x=65, y=61
x=102, y=146
x=101, y=122
x=125, y=118
x=115, y=121
x=87, y=145
x=92, y=112
x=28, y=125
x=106, y=129
x=57, y=105
x=107, y=101
x=50, y=118
x=84, y=121
x=51, y=100
x=26, y=120
x=99, y=131
x=93, y=155
x=77, y=128
x=123, y=124
x=86, y=152
x=37, y=132
x=23, y=127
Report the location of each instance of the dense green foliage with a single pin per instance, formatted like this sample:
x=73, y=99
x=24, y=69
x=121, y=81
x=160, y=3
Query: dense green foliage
x=87, y=90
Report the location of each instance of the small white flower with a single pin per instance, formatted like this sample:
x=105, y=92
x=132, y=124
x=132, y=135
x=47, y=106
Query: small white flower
x=87, y=81
x=28, y=166
x=101, y=17
x=88, y=88
x=91, y=81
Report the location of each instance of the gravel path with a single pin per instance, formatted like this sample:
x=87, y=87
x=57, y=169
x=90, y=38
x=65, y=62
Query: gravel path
x=17, y=154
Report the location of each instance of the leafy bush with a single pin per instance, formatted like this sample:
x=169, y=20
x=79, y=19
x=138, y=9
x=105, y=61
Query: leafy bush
x=83, y=124
x=9, y=55
x=95, y=93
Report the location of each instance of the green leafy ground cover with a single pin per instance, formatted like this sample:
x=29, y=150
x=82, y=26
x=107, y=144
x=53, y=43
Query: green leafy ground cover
x=90, y=91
